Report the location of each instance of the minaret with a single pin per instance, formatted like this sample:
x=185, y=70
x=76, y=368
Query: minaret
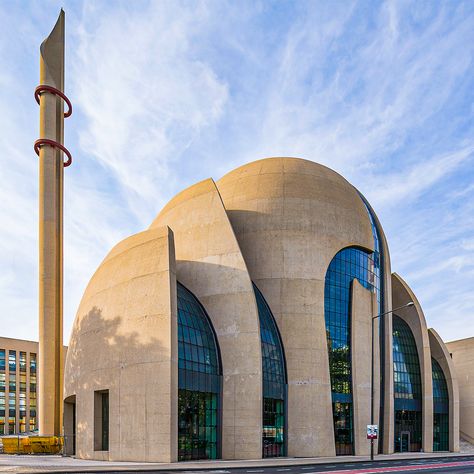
x=50, y=95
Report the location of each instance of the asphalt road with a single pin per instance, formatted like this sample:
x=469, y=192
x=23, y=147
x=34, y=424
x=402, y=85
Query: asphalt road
x=461, y=464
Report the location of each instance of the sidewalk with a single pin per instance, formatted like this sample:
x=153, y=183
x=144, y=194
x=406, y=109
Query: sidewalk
x=45, y=463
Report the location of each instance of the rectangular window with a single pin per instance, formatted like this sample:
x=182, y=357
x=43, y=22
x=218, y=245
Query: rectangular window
x=2, y=359
x=32, y=363
x=12, y=383
x=22, y=423
x=32, y=423
x=12, y=361
x=22, y=361
x=101, y=420
x=2, y=406
x=12, y=404
x=11, y=425
x=2, y=381
x=22, y=382
x=33, y=383
x=2, y=425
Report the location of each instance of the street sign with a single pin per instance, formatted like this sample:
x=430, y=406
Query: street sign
x=372, y=431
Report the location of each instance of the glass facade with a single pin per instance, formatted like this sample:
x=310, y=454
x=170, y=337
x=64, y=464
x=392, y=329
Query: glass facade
x=199, y=381
x=440, y=408
x=407, y=388
x=17, y=391
x=274, y=381
x=348, y=264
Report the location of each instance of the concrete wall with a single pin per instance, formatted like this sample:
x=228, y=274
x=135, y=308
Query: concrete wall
x=414, y=317
x=210, y=264
x=364, y=308
x=278, y=222
x=124, y=340
x=440, y=353
x=291, y=217
x=462, y=353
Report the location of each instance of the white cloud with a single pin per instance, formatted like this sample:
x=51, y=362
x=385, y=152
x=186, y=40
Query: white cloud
x=168, y=93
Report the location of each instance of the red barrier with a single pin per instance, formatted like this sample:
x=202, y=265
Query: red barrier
x=46, y=141
x=54, y=144
x=53, y=90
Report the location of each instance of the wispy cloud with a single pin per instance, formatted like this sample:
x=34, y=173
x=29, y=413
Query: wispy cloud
x=168, y=93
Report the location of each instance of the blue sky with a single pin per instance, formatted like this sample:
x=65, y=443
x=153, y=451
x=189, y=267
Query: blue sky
x=168, y=93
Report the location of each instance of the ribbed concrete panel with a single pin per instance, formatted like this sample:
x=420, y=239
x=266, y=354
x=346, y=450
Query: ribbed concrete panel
x=414, y=317
x=440, y=352
x=210, y=264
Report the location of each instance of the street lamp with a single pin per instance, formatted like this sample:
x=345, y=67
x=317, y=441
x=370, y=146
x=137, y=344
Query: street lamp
x=407, y=305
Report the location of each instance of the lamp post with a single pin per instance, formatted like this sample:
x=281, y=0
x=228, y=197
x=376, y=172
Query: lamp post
x=408, y=305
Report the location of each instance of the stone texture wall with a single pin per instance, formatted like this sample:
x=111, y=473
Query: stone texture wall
x=291, y=217
x=439, y=352
x=462, y=353
x=124, y=340
x=210, y=264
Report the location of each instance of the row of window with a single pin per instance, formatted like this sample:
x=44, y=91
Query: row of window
x=13, y=358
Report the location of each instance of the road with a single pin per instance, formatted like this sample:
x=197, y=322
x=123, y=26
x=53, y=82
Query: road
x=439, y=465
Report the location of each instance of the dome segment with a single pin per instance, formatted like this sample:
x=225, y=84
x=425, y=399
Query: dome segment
x=209, y=263
x=290, y=217
x=124, y=343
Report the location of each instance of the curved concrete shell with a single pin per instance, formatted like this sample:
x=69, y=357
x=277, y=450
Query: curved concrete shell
x=286, y=224
x=124, y=341
x=209, y=263
x=440, y=352
x=290, y=217
x=414, y=317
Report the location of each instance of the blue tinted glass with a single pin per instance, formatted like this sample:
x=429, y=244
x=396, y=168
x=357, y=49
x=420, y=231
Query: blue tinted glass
x=406, y=366
x=199, y=381
x=274, y=381
x=348, y=264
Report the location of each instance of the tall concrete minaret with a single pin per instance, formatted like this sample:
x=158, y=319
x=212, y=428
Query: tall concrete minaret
x=50, y=95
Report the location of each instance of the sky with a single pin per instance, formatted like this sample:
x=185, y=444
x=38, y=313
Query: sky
x=166, y=94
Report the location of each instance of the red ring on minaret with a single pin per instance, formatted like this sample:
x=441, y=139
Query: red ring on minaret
x=54, y=144
x=53, y=90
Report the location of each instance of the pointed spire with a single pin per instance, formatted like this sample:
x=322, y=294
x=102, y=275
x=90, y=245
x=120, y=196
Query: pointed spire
x=52, y=55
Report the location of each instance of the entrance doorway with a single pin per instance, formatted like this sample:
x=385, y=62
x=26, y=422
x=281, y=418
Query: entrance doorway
x=70, y=425
x=404, y=441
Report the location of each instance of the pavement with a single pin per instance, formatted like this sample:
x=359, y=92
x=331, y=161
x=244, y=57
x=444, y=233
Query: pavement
x=53, y=464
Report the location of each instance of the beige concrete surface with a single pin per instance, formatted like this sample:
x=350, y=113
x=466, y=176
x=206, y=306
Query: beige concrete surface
x=50, y=361
x=387, y=424
x=124, y=340
x=291, y=216
x=278, y=222
x=440, y=353
x=210, y=264
x=364, y=308
x=414, y=317
x=462, y=353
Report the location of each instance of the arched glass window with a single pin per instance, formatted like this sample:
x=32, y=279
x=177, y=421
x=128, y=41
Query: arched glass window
x=440, y=408
x=348, y=264
x=407, y=388
x=274, y=381
x=199, y=381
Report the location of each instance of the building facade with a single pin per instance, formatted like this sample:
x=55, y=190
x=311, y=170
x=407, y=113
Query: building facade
x=239, y=325
x=18, y=386
x=462, y=354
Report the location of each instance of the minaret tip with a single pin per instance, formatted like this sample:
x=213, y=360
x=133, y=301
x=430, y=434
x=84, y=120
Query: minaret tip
x=52, y=55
